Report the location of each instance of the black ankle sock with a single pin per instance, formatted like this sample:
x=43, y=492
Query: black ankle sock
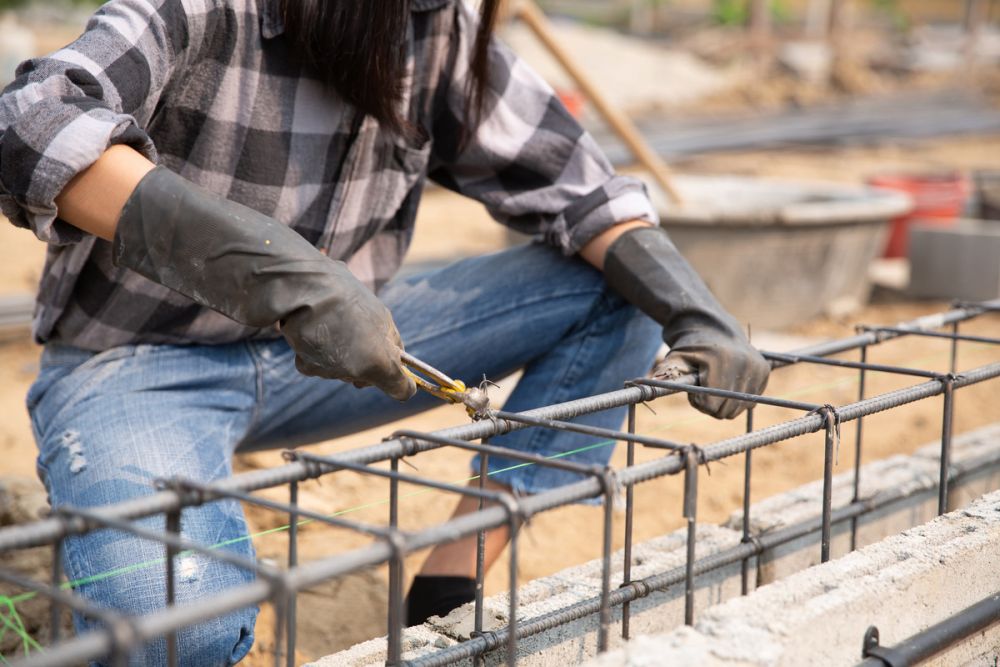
x=436, y=596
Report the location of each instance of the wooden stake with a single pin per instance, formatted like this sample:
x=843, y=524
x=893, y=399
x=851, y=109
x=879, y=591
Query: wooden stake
x=533, y=17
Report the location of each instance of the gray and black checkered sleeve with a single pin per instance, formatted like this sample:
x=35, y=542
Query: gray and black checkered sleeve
x=64, y=110
x=529, y=161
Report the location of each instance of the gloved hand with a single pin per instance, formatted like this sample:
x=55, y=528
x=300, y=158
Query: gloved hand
x=644, y=266
x=259, y=272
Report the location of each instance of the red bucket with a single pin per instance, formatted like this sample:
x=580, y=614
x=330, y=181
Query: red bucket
x=938, y=199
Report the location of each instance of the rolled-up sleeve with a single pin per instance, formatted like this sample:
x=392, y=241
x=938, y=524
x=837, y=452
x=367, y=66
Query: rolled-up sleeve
x=528, y=160
x=64, y=110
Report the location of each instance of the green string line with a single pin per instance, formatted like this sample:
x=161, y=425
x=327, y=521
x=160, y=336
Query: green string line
x=12, y=621
x=17, y=625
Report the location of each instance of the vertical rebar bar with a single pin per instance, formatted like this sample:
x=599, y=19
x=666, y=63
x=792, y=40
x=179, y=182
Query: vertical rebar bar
x=55, y=609
x=826, y=529
x=395, y=634
x=690, y=513
x=856, y=496
x=629, y=510
x=173, y=525
x=747, y=468
x=480, y=560
x=280, y=604
x=954, y=348
x=512, y=614
x=293, y=560
x=605, y=616
x=946, y=428
x=395, y=620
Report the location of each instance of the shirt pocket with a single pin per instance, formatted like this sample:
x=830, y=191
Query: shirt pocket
x=403, y=165
x=381, y=173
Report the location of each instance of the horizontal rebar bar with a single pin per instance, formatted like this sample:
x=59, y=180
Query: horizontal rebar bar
x=46, y=532
x=315, y=572
x=641, y=588
x=935, y=639
x=844, y=363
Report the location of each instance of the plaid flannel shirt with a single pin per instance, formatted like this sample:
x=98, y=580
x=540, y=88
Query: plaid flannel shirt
x=207, y=89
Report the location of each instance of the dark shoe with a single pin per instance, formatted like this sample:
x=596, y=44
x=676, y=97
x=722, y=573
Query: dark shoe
x=436, y=596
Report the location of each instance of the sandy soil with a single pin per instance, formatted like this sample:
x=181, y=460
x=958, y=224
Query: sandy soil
x=343, y=612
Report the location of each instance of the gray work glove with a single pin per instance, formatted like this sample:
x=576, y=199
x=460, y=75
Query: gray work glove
x=644, y=266
x=259, y=272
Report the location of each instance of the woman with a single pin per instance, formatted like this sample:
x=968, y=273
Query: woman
x=225, y=186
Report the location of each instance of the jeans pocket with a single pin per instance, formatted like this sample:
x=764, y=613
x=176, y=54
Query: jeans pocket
x=113, y=354
x=59, y=364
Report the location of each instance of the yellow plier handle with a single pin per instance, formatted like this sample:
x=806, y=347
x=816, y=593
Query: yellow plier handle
x=446, y=388
x=476, y=401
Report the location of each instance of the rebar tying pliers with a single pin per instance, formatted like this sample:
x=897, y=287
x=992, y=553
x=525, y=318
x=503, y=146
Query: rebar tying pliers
x=475, y=399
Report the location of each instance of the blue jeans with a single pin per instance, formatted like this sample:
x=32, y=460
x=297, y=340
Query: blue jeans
x=108, y=424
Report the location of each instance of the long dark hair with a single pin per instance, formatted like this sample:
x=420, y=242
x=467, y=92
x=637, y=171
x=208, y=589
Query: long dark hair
x=359, y=48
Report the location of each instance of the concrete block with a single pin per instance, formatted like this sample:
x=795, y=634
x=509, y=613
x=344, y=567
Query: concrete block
x=574, y=642
x=915, y=477
x=417, y=642
x=902, y=585
x=975, y=454
x=976, y=457
x=959, y=262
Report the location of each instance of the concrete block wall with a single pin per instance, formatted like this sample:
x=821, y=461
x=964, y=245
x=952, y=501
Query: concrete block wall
x=917, y=477
x=977, y=454
x=573, y=642
x=819, y=616
x=974, y=457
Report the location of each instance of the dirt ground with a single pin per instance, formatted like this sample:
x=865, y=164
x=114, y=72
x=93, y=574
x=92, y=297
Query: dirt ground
x=341, y=613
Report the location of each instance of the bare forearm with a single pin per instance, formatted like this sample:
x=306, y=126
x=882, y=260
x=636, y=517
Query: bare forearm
x=597, y=248
x=94, y=199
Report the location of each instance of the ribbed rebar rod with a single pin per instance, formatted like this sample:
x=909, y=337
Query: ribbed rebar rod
x=935, y=639
x=94, y=644
x=47, y=531
x=317, y=571
x=667, y=465
x=644, y=587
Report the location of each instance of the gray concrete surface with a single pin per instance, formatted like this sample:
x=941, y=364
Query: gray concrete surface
x=902, y=585
x=976, y=454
